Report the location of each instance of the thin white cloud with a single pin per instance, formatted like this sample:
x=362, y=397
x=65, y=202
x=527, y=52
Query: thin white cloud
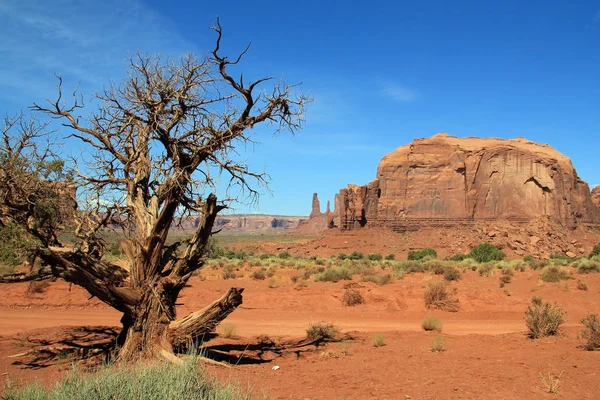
x=398, y=92
x=596, y=19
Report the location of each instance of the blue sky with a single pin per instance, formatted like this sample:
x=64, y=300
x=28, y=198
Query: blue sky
x=381, y=72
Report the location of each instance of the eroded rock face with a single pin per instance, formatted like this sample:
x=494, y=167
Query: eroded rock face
x=445, y=180
x=596, y=196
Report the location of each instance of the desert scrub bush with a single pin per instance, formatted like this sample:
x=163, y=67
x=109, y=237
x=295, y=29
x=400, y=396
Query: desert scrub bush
x=334, y=274
x=486, y=269
x=438, y=344
x=420, y=254
x=543, y=318
x=379, y=279
x=581, y=285
x=432, y=324
x=506, y=276
x=595, y=251
x=378, y=340
x=390, y=257
x=537, y=264
x=410, y=267
x=586, y=266
x=458, y=257
x=322, y=330
x=553, y=273
x=37, y=287
x=352, y=297
x=160, y=380
x=486, y=252
x=438, y=296
x=591, y=333
x=356, y=256
x=528, y=259
x=375, y=257
x=284, y=255
x=273, y=283
x=227, y=330
x=451, y=274
x=259, y=274
x=228, y=272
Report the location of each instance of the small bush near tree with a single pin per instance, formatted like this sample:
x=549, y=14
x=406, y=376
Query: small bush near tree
x=420, y=254
x=486, y=252
x=432, y=324
x=543, y=318
x=352, y=297
x=591, y=333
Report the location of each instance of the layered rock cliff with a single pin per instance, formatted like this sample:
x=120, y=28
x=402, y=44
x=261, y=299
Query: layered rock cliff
x=448, y=180
x=596, y=196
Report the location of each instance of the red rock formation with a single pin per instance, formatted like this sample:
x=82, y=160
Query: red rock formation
x=316, y=206
x=445, y=180
x=596, y=196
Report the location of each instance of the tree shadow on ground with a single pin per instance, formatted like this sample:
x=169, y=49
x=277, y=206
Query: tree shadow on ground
x=91, y=346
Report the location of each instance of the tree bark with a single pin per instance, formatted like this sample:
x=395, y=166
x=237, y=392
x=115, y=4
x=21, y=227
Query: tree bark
x=190, y=329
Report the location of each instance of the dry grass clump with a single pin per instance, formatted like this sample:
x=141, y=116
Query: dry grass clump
x=378, y=279
x=228, y=272
x=226, y=330
x=551, y=382
x=554, y=273
x=438, y=344
x=451, y=274
x=352, y=297
x=543, y=319
x=585, y=266
x=486, y=269
x=259, y=274
x=378, y=340
x=322, y=330
x=506, y=276
x=591, y=332
x=273, y=283
x=432, y=324
x=438, y=296
x=581, y=285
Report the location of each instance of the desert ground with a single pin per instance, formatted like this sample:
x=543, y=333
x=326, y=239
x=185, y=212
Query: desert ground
x=486, y=352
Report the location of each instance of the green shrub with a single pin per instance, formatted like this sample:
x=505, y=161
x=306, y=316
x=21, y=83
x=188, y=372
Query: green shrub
x=438, y=296
x=352, y=297
x=378, y=340
x=528, y=259
x=264, y=256
x=458, y=257
x=543, y=319
x=159, y=380
x=419, y=255
x=322, y=330
x=375, y=257
x=356, y=256
x=284, y=255
x=595, y=251
x=390, y=257
x=486, y=252
x=15, y=245
x=591, y=332
x=335, y=274
x=432, y=324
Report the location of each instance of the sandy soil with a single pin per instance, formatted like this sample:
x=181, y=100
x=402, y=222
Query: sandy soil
x=487, y=354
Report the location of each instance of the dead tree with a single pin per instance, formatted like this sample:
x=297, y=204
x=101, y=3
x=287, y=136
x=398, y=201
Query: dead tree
x=158, y=144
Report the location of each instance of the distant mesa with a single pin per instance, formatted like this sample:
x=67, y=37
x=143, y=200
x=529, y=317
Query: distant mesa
x=445, y=180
